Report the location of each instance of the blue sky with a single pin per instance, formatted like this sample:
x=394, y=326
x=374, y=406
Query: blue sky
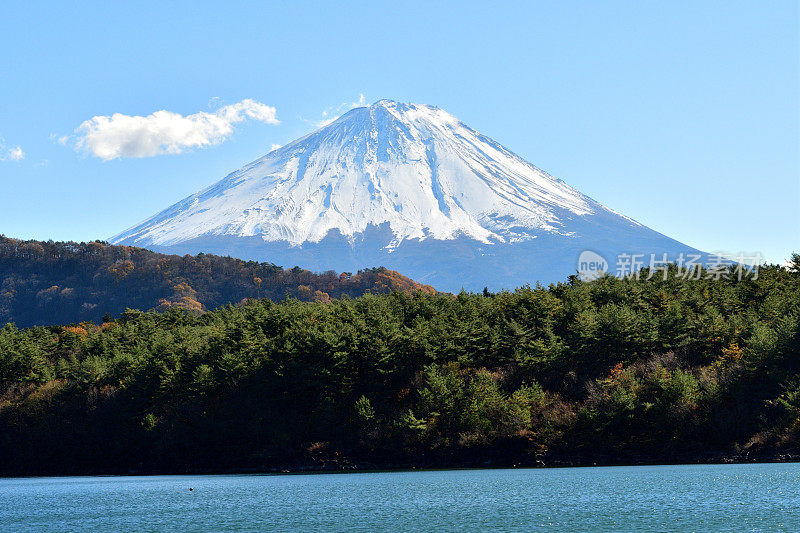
x=684, y=116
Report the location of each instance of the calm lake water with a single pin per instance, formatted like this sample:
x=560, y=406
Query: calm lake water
x=753, y=497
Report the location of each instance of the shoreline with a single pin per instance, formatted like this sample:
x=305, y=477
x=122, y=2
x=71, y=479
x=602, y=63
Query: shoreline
x=365, y=467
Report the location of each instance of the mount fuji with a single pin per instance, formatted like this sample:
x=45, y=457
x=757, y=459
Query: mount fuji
x=406, y=186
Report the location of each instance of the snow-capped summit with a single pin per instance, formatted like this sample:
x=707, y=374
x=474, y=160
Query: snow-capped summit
x=389, y=184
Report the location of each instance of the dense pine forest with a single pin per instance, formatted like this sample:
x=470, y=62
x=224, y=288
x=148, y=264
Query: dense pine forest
x=608, y=371
x=46, y=283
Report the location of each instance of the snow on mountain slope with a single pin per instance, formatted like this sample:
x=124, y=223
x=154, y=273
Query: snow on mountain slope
x=414, y=166
x=384, y=178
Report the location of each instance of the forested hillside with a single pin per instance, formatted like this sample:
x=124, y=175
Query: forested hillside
x=46, y=283
x=607, y=371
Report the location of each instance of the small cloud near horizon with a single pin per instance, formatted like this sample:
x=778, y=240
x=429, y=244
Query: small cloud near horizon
x=162, y=132
x=333, y=112
x=10, y=153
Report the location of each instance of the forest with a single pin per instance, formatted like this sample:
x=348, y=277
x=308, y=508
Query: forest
x=612, y=371
x=47, y=283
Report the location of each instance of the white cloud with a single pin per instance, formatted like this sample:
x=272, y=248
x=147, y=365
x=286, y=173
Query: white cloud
x=16, y=154
x=361, y=102
x=164, y=132
x=10, y=153
x=332, y=113
x=60, y=139
x=274, y=147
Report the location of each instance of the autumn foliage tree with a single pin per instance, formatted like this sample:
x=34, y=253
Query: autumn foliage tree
x=63, y=282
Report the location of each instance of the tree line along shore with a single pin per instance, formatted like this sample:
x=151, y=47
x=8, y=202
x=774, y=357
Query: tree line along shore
x=608, y=371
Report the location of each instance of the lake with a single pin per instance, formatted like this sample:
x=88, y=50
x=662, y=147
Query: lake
x=751, y=497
